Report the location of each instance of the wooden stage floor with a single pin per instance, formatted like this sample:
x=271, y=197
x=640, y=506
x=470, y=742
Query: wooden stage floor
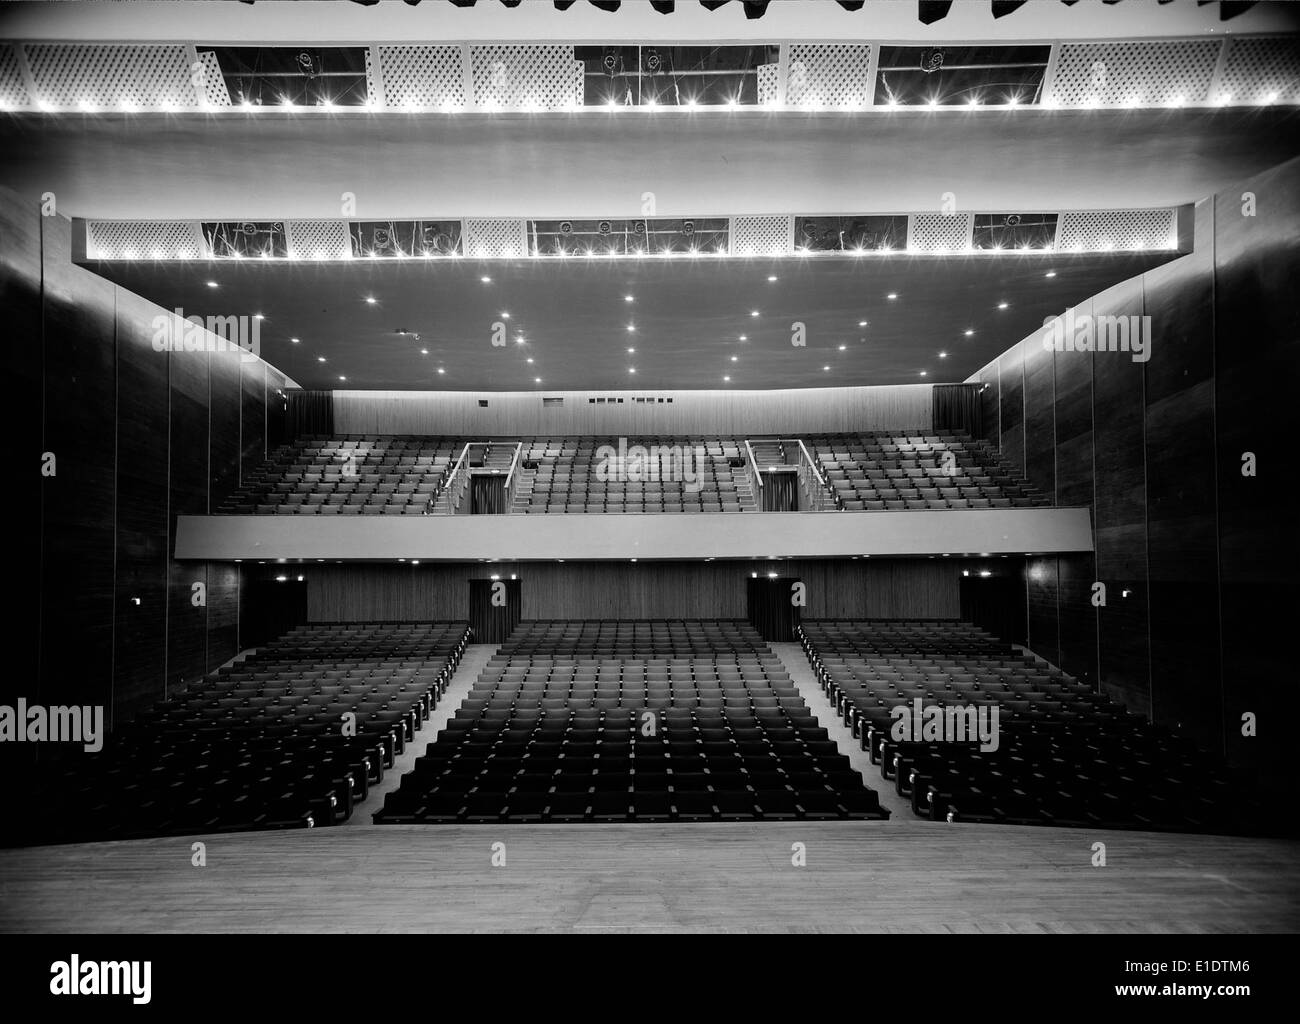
x=895, y=876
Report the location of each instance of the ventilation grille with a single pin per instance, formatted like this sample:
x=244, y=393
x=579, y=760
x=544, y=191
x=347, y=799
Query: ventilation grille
x=214, y=90
x=760, y=236
x=829, y=76
x=12, y=91
x=938, y=232
x=1148, y=73
x=1256, y=70
x=526, y=77
x=1102, y=230
x=142, y=240
x=429, y=77
x=144, y=77
x=494, y=239
x=318, y=239
x=768, y=75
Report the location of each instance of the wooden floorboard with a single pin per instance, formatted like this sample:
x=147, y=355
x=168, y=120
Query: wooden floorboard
x=860, y=876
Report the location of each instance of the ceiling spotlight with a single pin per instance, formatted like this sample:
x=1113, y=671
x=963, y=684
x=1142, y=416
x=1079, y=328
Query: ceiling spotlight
x=1050, y=273
x=505, y=316
x=922, y=373
x=631, y=327
x=735, y=358
x=424, y=351
x=943, y=355
x=726, y=378
x=530, y=359
x=892, y=295
x=441, y=370
x=293, y=341
x=771, y=277
x=753, y=312
x=628, y=298
x=630, y=351
x=320, y=359
x=519, y=339
x=371, y=300
x=842, y=348
x=485, y=279
x=258, y=316
x=341, y=377
x=213, y=284
x=969, y=331
x=631, y=369
x=537, y=380
x=862, y=323
x=826, y=368
x=744, y=337
x=1003, y=305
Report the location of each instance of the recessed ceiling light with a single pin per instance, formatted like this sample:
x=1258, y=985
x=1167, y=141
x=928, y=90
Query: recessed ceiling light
x=843, y=347
x=519, y=340
x=441, y=370
x=734, y=358
x=537, y=380
x=424, y=351
x=258, y=316
x=726, y=378
x=530, y=359
x=922, y=373
x=1003, y=305
x=862, y=323
x=320, y=359
x=505, y=316
x=771, y=277
x=943, y=355
x=212, y=284
x=744, y=337
x=628, y=298
x=753, y=312
x=485, y=279
x=371, y=300
x=892, y=295
x=826, y=369
x=630, y=351
x=631, y=369
x=341, y=377
x=968, y=332
x=294, y=340
x=1050, y=273
x=631, y=327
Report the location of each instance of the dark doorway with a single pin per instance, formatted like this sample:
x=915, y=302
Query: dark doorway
x=487, y=494
x=495, y=608
x=772, y=608
x=780, y=490
x=270, y=606
x=995, y=603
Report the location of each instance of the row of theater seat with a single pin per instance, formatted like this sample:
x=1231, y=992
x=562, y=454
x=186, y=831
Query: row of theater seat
x=405, y=475
x=1065, y=755
x=669, y=721
x=290, y=736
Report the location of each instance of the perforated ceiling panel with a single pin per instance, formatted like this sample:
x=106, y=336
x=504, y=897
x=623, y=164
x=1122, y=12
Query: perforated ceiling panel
x=1261, y=70
x=494, y=239
x=142, y=240
x=12, y=91
x=100, y=77
x=428, y=77
x=828, y=76
x=214, y=92
x=767, y=80
x=526, y=77
x=760, y=236
x=1149, y=73
x=1102, y=230
x=938, y=232
x=318, y=239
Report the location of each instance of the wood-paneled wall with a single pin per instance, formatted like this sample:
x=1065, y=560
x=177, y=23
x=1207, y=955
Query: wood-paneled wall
x=1201, y=570
x=836, y=588
x=107, y=616
x=828, y=410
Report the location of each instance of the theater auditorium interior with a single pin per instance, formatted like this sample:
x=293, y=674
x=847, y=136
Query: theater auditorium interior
x=650, y=467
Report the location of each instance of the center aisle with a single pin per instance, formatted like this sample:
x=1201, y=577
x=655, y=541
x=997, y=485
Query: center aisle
x=801, y=674
x=471, y=664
